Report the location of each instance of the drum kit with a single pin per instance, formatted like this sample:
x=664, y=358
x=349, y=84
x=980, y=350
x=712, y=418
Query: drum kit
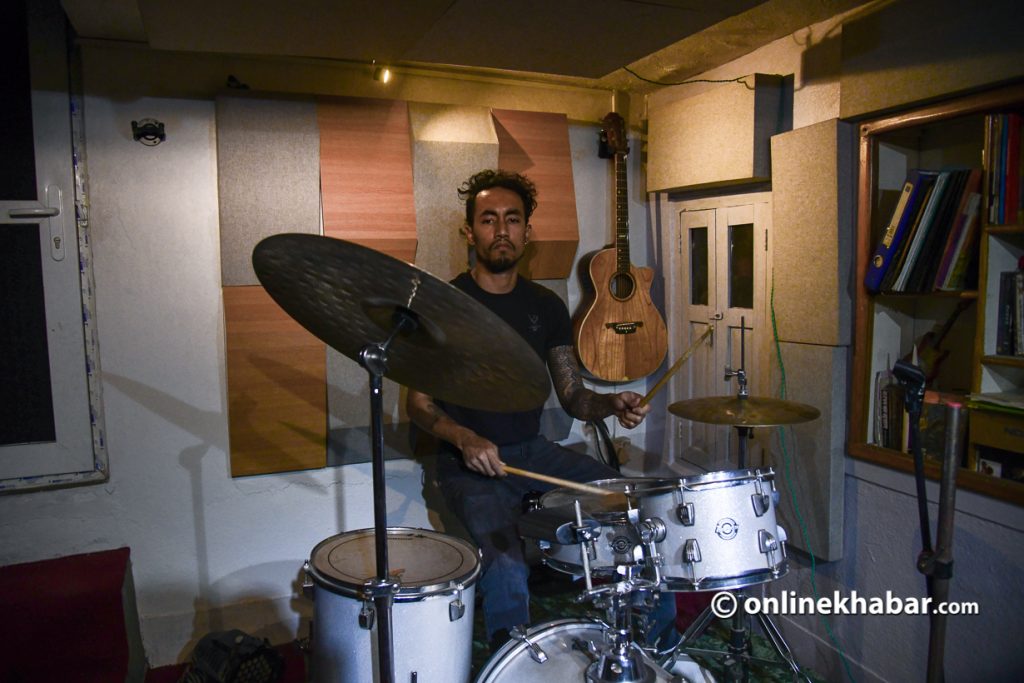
x=396, y=604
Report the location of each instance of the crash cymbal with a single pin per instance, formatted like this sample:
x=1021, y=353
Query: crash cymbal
x=744, y=411
x=347, y=295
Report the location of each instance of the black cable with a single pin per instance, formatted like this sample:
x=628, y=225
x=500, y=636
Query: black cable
x=694, y=80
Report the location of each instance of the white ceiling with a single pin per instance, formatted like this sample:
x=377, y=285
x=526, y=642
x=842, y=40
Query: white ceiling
x=576, y=39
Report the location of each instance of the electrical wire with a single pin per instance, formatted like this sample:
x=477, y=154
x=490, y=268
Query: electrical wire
x=792, y=491
x=694, y=80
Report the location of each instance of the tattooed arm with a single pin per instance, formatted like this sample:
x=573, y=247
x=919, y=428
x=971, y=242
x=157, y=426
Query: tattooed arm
x=479, y=454
x=584, y=404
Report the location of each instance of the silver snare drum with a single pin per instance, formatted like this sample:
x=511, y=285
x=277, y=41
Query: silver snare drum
x=618, y=543
x=432, y=625
x=719, y=530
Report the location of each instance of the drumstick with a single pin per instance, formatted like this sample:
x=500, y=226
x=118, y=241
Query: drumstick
x=555, y=480
x=675, y=366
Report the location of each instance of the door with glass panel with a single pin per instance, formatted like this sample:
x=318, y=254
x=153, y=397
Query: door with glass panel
x=720, y=280
x=48, y=419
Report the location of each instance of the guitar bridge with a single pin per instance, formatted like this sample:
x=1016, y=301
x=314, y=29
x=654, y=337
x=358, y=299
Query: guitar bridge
x=625, y=328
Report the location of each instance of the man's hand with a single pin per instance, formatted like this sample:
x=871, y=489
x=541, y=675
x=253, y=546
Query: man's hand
x=626, y=406
x=480, y=455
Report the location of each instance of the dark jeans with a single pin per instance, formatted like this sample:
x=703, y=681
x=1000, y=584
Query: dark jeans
x=489, y=508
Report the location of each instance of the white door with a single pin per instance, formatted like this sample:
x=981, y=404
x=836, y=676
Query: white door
x=719, y=278
x=46, y=434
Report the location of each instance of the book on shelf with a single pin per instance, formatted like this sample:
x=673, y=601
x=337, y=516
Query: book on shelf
x=957, y=240
x=922, y=272
x=899, y=257
x=914, y=189
x=965, y=254
x=998, y=401
x=1003, y=140
x=1018, y=313
x=924, y=225
x=1005, y=313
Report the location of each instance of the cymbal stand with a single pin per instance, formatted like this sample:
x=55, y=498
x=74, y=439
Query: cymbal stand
x=741, y=380
x=382, y=588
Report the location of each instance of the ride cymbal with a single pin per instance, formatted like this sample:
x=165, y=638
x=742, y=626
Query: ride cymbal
x=350, y=296
x=744, y=411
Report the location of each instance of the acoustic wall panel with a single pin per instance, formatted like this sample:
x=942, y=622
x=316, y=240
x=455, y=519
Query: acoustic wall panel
x=450, y=143
x=537, y=144
x=813, y=188
x=268, y=175
x=366, y=174
x=277, y=413
x=811, y=468
x=692, y=145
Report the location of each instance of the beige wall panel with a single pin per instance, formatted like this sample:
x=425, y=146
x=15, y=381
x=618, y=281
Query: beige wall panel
x=916, y=50
x=717, y=138
x=814, y=451
x=277, y=413
x=268, y=175
x=813, y=176
x=449, y=145
x=366, y=174
x=537, y=145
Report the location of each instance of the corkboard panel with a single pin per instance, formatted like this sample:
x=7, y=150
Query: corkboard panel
x=692, y=145
x=276, y=376
x=366, y=173
x=450, y=143
x=537, y=145
x=268, y=175
x=813, y=176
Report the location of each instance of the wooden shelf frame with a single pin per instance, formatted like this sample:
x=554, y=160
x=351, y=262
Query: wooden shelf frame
x=1001, y=99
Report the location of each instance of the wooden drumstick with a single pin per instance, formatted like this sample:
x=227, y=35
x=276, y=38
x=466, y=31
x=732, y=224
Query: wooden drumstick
x=675, y=366
x=566, y=483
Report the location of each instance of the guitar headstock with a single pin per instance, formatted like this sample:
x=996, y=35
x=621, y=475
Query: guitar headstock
x=613, y=135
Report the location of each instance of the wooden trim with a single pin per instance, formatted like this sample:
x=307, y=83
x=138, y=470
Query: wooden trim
x=862, y=301
x=972, y=104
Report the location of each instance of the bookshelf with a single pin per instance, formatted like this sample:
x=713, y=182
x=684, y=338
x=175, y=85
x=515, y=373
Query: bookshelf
x=889, y=324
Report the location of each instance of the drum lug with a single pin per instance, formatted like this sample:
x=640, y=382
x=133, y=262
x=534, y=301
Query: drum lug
x=685, y=514
x=767, y=542
x=307, y=583
x=691, y=551
x=760, y=499
x=367, y=616
x=456, y=608
x=536, y=654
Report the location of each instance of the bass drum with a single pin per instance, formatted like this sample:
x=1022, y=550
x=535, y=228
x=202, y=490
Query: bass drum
x=432, y=614
x=565, y=646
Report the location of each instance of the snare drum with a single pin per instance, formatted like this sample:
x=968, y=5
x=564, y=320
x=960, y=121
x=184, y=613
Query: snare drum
x=719, y=530
x=432, y=624
x=567, y=647
x=618, y=543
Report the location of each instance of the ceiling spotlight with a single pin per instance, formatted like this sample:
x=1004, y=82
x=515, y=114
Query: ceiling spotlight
x=382, y=74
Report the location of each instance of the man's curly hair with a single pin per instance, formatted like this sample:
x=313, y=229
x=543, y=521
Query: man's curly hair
x=485, y=180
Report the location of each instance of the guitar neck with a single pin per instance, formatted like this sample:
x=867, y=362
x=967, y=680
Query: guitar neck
x=621, y=215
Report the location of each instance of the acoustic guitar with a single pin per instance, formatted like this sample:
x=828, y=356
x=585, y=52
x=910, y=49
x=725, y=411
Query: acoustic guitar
x=620, y=335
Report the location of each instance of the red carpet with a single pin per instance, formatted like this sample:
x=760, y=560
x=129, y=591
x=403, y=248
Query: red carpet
x=64, y=619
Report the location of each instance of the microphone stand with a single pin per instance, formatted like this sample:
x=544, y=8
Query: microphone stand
x=936, y=564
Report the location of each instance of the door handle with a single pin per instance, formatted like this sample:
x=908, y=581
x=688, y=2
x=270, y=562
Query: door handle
x=716, y=316
x=52, y=212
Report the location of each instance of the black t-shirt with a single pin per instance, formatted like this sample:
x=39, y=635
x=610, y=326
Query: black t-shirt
x=542, y=319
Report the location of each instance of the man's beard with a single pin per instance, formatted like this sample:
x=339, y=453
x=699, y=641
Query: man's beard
x=498, y=261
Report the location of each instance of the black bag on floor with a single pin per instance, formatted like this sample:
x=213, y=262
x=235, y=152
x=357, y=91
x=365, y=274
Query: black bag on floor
x=233, y=657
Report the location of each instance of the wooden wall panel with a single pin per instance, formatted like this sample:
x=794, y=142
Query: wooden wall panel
x=366, y=173
x=276, y=376
x=537, y=144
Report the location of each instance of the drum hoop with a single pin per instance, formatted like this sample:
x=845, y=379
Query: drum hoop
x=716, y=480
x=513, y=646
x=675, y=584
x=405, y=593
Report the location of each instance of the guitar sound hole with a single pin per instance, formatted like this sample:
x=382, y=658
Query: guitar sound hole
x=622, y=286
